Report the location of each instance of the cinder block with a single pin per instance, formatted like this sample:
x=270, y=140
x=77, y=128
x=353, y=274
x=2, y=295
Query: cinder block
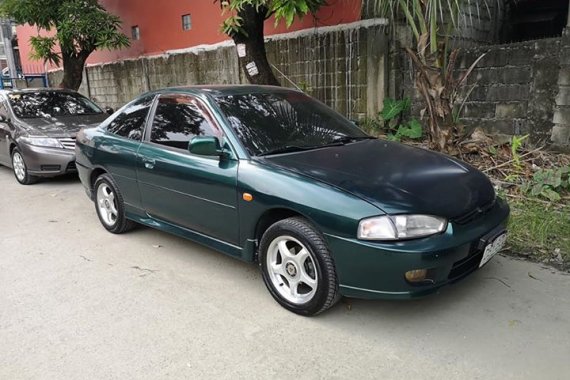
x=510, y=110
x=560, y=135
x=562, y=116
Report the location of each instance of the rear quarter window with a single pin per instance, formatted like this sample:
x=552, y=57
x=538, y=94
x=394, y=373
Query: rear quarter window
x=130, y=122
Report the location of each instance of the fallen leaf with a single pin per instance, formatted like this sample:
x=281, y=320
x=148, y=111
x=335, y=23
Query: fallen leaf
x=531, y=276
x=514, y=322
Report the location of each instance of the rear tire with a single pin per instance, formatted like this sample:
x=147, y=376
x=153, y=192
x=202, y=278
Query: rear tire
x=298, y=268
x=110, y=206
x=20, y=169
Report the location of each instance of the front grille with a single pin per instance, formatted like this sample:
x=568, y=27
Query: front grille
x=474, y=214
x=468, y=264
x=68, y=143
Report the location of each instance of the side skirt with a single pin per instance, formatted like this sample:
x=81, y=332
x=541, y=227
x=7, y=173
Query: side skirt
x=208, y=241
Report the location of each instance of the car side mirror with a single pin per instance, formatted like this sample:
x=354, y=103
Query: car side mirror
x=355, y=122
x=109, y=110
x=205, y=146
x=3, y=119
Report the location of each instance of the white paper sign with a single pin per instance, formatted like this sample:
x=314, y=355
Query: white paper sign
x=252, y=69
x=241, y=50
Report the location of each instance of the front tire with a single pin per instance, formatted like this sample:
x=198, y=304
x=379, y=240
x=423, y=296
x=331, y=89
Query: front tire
x=297, y=267
x=20, y=169
x=110, y=206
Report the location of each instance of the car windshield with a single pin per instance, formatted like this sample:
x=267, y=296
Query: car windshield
x=45, y=104
x=285, y=121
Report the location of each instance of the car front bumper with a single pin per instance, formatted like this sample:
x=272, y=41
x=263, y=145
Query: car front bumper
x=48, y=162
x=376, y=270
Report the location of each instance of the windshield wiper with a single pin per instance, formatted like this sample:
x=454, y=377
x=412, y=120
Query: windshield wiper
x=348, y=139
x=285, y=149
x=335, y=142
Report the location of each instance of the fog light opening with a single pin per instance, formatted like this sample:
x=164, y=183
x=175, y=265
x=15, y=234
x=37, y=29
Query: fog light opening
x=419, y=276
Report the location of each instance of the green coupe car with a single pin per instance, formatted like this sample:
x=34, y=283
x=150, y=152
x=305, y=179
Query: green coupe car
x=271, y=175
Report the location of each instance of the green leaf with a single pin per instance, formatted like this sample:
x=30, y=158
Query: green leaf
x=412, y=130
x=393, y=137
x=537, y=189
x=551, y=195
x=392, y=108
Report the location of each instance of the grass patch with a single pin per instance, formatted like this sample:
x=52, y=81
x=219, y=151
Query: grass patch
x=540, y=232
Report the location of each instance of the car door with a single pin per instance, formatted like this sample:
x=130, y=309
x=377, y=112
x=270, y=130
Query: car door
x=116, y=150
x=5, y=132
x=188, y=190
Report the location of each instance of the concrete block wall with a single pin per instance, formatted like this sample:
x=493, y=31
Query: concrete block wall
x=512, y=90
x=343, y=66
x=561, y=130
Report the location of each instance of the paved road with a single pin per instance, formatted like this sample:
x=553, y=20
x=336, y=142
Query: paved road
x=79, y=303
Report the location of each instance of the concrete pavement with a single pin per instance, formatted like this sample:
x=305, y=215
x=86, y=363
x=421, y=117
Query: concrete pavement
x=77, y=302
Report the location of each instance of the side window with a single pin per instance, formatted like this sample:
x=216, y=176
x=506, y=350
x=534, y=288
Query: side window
x=178, y=118
x=130, y=123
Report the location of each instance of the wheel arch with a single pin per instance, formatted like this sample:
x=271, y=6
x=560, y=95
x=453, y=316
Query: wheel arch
x=272, y=216
x=12, y=147
x=95, y=173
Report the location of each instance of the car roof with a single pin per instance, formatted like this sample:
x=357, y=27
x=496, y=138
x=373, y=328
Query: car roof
x=34, y=90
x=234, y=89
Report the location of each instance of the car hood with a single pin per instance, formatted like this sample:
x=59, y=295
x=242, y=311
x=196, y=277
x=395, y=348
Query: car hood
x=396, y=178
x=61, y=126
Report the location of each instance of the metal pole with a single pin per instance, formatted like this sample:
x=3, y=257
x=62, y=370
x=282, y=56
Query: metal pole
x=6, y=33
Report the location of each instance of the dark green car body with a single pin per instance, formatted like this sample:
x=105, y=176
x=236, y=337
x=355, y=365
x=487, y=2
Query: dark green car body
x=335, y=187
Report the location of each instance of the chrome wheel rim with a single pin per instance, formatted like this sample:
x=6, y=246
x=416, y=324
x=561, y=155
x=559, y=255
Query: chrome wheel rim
x=292, y=270
x=19, y=166
x=107, y=205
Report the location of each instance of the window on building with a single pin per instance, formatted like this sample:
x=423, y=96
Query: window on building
x=135, y=33
x=531, y=19
x=186, y=22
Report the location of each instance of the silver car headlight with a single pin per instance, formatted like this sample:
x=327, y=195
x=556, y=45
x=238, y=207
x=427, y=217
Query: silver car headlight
x=47, y=142
x=398, y=227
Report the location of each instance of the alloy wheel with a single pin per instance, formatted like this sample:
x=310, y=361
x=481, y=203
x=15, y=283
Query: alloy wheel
x=292, y=270
x=19, y=166
x=107, y=205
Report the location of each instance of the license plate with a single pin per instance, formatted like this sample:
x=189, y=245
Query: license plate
x=493, y=248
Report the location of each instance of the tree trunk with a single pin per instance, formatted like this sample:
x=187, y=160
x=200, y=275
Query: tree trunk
x=253, y=60
x=73, y=64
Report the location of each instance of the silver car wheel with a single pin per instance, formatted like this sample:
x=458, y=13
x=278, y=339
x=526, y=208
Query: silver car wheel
x=19, y=166
x=107, y=205
x=292, y=270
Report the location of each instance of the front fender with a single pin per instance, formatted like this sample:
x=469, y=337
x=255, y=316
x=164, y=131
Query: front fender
x=331, y=210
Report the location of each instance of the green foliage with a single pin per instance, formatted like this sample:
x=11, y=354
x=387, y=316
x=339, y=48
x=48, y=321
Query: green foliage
x=283, y=10
x=516, y=144
x=434, y=59
x=392, y=113
x=549, y=183
x=44, y=48
x=540, y=232
x=81, y=27
x=393, y=108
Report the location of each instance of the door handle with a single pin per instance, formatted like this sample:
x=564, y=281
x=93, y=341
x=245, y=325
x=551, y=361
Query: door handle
x=149, y=163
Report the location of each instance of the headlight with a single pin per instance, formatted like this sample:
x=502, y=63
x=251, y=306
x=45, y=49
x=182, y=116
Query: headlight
x=47, y=142
x=400, y=227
